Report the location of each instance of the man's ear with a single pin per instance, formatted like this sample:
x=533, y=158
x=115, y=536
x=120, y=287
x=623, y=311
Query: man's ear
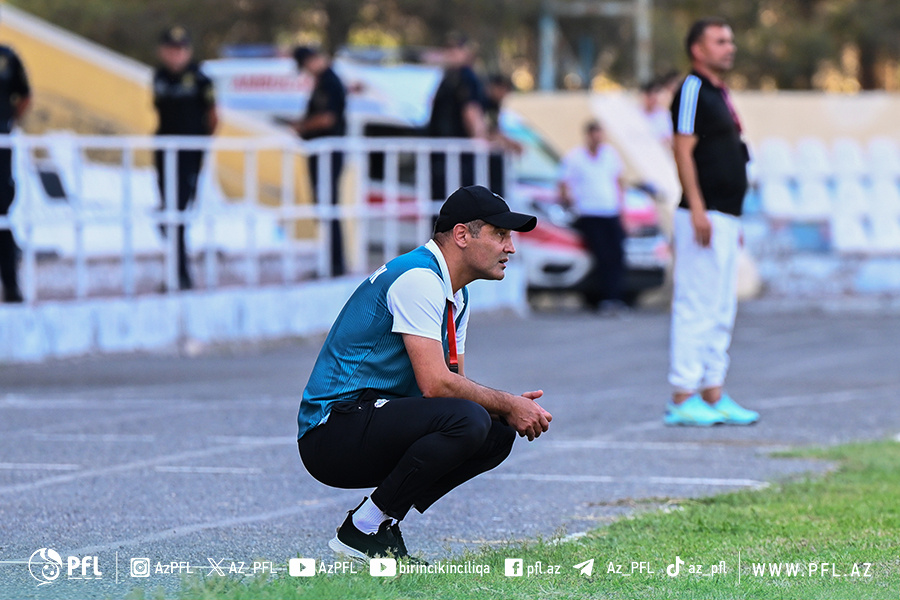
x=461, y=235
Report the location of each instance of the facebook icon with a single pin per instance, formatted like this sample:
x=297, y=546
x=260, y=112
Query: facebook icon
x=513, y=567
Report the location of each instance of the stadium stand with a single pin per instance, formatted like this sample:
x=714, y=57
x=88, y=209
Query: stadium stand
x=852, y=190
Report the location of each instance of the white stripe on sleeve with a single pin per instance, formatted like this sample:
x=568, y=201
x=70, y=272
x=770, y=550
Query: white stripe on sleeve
x=687, y=107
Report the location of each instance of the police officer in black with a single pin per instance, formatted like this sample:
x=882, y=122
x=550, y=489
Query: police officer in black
x=15, y=95
x=495, y=92
x=325, y=117
x=456, y=111
x=185, y=103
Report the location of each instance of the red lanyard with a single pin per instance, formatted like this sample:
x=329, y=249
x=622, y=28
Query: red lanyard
x=734, y=115
x=451, y=338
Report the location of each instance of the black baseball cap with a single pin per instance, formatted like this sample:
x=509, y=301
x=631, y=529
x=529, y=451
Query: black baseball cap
x=302, y=53
x=475, y=202
x=176, y=35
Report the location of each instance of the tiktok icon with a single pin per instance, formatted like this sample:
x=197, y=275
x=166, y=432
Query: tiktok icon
x=673, y=569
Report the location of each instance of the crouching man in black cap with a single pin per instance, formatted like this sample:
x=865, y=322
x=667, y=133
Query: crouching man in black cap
x=388, y=404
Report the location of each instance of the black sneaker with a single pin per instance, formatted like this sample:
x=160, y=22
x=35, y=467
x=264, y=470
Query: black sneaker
x=13, y=296
x=356, y=544
x=401, y=546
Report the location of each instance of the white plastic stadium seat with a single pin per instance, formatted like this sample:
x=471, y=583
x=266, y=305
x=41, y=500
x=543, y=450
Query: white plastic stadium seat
x=851, y=197
x=848, y=233
x=753, y=171
x=884, y=215
x=813, y=200
x=775, y=160
x=849, y=217
x=848, y=159
x=885, y=194
x=777, y=199
x=813, y=160
x=885, y=226
x=65, y=155
x=884, y=157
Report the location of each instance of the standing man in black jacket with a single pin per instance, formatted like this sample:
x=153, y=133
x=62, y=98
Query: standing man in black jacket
x=15, y=96
x=457, y=111
x=185, y=103
x=325, y=117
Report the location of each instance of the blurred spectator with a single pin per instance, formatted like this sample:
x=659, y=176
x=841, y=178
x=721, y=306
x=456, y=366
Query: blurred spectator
x=185, y=103
x=456, y=112
x=498, y=87
x=669, y=84
x=15, y=96
x=591, y=183
x=325, y=117
x=657, y=115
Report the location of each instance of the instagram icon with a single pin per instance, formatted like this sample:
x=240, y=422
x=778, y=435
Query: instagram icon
x=140, y=567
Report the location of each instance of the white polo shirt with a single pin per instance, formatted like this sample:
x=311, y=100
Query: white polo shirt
x=417, y=299
x=365, y=349
x=593, y=180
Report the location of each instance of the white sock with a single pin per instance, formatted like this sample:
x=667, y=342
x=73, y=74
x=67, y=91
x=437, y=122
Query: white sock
x=368, y=517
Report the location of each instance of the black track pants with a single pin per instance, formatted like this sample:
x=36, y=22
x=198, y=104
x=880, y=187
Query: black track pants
x=412, y=450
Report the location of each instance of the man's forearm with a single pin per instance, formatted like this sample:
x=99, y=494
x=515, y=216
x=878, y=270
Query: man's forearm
x=317, y=123
x=687, y=175
x=564, y=195
x=435, y=380
x=212, y=120
x=473, y=119
x=620, y=194
x=452, y=385
x=20, y=105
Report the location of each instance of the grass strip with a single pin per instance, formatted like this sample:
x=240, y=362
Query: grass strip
x=835, y=536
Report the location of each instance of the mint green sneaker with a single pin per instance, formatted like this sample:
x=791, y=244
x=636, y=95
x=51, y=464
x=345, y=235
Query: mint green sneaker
x=693, y=411
x=734, y=413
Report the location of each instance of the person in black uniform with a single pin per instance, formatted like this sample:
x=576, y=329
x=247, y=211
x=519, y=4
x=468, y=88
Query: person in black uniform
x=456, y=112
x=15, y=95
x=497, y=89
x=185, y=103
x=325, y=117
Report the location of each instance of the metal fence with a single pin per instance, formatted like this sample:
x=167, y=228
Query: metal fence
x=88, y=216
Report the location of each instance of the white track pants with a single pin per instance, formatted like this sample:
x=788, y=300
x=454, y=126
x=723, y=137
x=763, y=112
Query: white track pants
x=704, y=303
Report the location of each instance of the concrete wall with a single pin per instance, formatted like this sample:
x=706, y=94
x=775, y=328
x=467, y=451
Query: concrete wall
x=558, y=116
x=190, y=321
x=791, y=115
x=794, y=115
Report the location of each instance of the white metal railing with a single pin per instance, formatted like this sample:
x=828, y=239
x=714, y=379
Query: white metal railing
x=113, y=200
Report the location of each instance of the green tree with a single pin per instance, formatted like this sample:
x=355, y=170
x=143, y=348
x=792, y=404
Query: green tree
x=871, y=27
x=782, y=43
x=132, y=27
